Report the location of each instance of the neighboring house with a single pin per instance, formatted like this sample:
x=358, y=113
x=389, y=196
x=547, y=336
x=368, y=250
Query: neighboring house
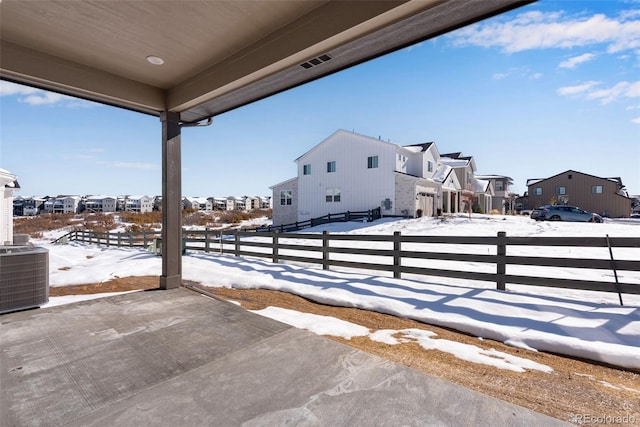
x=218, y=203
x=480, y=191
x=140, y=204
x=198, y=203
x=605, y=196
x=353, y=172
x=236, y=203
x=18, y=206
x=635, y=204
x=28, y=206
x=102, y=204
x=503, y=201
x=8, y=183
x=522, y=203
x=63, y=204
x=266, y=202
x=483, y=195
x=252, y=203
x=285, y=205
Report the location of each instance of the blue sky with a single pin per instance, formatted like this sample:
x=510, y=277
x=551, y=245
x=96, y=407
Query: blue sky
x=548, y=87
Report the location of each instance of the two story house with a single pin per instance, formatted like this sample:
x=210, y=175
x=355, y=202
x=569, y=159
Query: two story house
x=605, y=196
x=502, y=199
x=352, y=172
x=63, y=204
x=101, y=203
x=139, y=204
x=198, y=203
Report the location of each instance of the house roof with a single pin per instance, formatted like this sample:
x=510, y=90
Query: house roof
x=503, y=177
x=534, y=181
x=217, y=55
x=423, y=147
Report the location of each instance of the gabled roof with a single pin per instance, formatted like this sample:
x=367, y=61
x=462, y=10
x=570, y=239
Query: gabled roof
x=533, y=181
x=502, y=177
x=345, y=132
x=423, y=147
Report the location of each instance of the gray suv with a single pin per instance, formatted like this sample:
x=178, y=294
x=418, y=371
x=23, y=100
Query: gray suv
x=564, y=213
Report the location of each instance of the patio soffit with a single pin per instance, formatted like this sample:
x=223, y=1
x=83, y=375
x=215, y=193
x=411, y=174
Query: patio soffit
x=217, y=55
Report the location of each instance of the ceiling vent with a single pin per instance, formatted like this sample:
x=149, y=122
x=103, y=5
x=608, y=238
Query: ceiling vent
x=316, y=61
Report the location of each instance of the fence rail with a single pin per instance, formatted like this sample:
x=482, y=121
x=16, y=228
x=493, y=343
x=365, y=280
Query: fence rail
x=370, y=215
x=500, y=259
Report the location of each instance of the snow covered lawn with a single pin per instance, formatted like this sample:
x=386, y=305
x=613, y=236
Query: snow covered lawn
x=585, y=324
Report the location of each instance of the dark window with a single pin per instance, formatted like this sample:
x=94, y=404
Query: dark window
x=332, y=195
x=561, y=190
x=286, y=197
x=331, y=166
x=596, y=189
x=372, y=162
x=306, y=170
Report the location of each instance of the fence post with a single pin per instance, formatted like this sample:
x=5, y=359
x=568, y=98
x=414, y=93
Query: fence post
x=130, y=239
x=274, y=247
x=501, y=262
x=144, y=238
x=325, y=250
x=206, y=239
x=119, y=239
x=396, y=255
x=237, y=243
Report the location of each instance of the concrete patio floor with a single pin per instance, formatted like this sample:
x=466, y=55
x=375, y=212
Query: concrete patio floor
x=178, y=358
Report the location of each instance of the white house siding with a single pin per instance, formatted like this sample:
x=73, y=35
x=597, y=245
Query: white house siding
x=285, y=214
x=361, y=188
x=6, y=207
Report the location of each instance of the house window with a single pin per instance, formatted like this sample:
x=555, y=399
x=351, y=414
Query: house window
x=570, y=176
x=333, y=195
x=430, y=166
x=561, y=190
x=331, y=166
x=286, y=197
x=372, y=162
x=306, y=169
x=596, y=189
x=537, y=191
x=499, y=186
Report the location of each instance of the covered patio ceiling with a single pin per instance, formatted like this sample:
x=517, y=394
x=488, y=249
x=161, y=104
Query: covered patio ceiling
x=218, y=54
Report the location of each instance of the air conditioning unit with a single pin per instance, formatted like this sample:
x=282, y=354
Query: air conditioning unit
x=24, y=277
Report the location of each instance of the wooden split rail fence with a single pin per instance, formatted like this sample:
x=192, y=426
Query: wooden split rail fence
x=500, y=259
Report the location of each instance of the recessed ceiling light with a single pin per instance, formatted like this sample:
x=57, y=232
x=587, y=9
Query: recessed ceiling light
x=155, y=60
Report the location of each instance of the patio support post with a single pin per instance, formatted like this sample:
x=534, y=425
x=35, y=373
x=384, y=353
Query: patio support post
x=171, y=202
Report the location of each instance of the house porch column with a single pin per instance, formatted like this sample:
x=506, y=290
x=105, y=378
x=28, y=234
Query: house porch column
x=171, y=202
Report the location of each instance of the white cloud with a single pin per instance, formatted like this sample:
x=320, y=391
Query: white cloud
x=573, y=90
x=9, y=89
x=572, y=62
x=540, y=30
x=605, y=95
x=36, y=97
x=523, y=72
x=636, y=120
x=134, y=165
x=619, y=90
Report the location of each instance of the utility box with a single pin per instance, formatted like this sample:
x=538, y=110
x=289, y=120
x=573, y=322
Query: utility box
x=24, y=277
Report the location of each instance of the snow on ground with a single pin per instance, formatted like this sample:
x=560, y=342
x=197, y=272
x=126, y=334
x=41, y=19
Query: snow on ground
x=325, y=325
x=584, y=324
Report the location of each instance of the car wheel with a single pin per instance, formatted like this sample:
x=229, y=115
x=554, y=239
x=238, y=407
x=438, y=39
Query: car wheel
x=598, y=220
x=555, y=218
